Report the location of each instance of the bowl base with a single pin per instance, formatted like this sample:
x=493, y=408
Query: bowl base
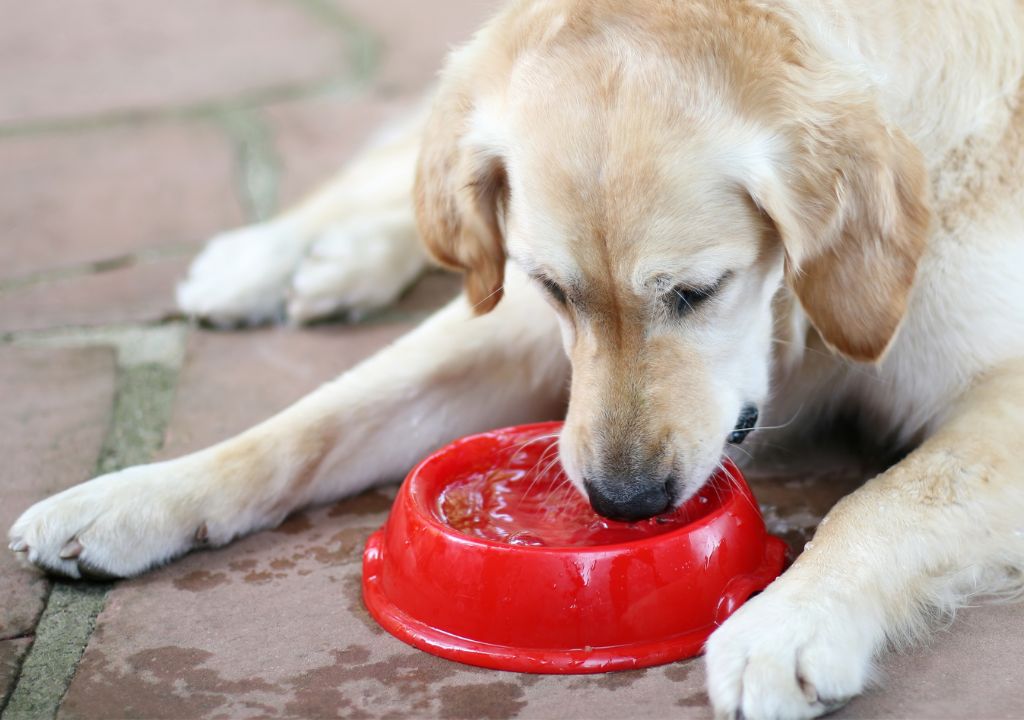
x=575, y=661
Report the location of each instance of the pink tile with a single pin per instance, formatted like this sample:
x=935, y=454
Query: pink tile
x=56, y=408
x=415, y=36
x=63, y=60
x=90, y=196
x=12, y=652
x=969, y=670
x=314, y=138
x=143, y=292
x=233, y=380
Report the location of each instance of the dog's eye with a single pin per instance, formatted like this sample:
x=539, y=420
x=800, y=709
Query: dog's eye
x=685, y=300
x=553, y=290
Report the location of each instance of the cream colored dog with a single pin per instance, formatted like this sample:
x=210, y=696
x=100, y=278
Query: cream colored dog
x=717, y=206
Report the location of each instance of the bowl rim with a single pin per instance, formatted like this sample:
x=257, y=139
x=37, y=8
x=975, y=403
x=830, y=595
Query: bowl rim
x=726, y=467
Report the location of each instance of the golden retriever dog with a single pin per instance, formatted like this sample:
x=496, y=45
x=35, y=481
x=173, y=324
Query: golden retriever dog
x=719, y=208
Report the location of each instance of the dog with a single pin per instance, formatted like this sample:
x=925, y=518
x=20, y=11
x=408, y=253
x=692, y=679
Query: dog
x=719, y=209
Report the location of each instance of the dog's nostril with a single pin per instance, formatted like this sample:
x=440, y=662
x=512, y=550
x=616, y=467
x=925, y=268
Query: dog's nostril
x=744, y=424
x=670, y=490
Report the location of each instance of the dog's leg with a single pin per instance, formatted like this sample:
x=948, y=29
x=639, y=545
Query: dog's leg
x=350, y=247
x=454, y=375
x=944, y=524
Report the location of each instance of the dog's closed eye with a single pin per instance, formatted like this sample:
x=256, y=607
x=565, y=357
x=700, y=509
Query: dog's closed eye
x=553, y=289
x=684, y=300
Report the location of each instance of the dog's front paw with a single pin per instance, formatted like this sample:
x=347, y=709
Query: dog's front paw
x=274, y=271
x=357, y=266
x=117, y=525
x=790, y=654
x=242, y=276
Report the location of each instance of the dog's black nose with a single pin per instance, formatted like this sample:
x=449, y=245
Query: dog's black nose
x=629, y=501
x=744, y=424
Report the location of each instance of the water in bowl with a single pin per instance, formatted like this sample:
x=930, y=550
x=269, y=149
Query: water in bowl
x=521, y=506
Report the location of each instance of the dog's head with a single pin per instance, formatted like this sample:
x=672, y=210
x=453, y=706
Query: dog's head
x=661, y=178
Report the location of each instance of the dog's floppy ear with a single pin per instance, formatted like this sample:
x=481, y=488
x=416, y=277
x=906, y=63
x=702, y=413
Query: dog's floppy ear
x=850, y=205
x=461, y=192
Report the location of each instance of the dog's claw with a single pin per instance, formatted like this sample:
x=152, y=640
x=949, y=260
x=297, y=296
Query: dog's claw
x=72, y=550
x=18, y=546
x=202, y=534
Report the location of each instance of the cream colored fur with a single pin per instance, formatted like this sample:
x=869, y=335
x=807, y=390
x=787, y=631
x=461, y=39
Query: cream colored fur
x=872, y=223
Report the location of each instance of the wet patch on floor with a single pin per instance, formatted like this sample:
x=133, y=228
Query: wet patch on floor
x=679, y=672
x=200, y=580
x=490, y=701
x=369, y=503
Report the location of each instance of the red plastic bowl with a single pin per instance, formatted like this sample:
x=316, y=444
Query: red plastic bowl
x=578, y=609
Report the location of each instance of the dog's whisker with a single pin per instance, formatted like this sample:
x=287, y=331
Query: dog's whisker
x=783, y=426
x=559, y=487
x=737, y=485
x=495, y=291
x=737, y=448
x=540, y=438
x=544, y=456
x=542, y=473
x=568, y=490
x=561, y=481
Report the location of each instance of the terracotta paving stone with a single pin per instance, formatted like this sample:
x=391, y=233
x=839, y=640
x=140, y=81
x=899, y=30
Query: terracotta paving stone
x=64, y=60
x=56, y=408
x=971, y=670
x=314, y=138
x=431, y=292
x=416, y=35
x=229, y=382
x=11, y=654
x=233, y=380
x=174, y=644
x=101, y=194
x=142, y=292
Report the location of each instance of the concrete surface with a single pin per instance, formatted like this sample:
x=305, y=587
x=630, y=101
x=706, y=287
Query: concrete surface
x=129, y=131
